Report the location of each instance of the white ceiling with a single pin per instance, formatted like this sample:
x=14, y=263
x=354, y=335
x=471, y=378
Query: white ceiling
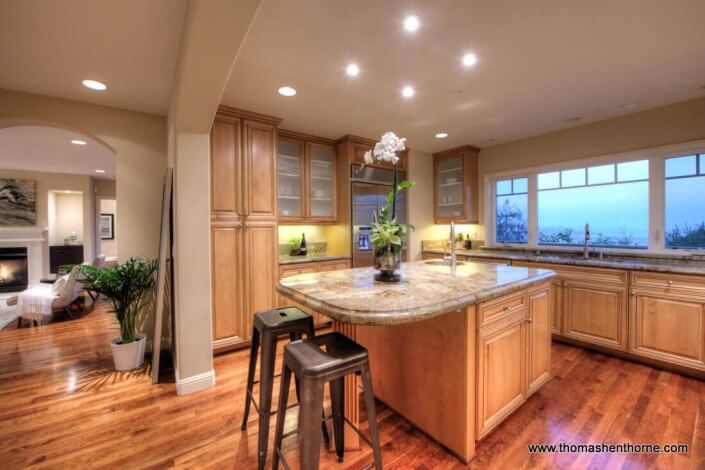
x=539, y=63
x=49, y=149
x=48, y=46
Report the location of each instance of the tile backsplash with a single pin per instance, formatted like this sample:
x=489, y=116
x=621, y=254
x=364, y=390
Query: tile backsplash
x=314, y=248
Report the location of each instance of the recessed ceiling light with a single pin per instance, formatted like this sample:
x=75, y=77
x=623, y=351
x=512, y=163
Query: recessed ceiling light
x=352, y=70
x=78, y=142
x=573, y=119
x=411, y=23
x=95, y=85
x=629, y=106
x=407, y=92
x=469, y=60
x=100, y=171
x=287, y=91
x=441, y=135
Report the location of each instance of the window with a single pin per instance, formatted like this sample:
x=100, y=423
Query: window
x=511, y=210
x=685, y=202
x=613, y=199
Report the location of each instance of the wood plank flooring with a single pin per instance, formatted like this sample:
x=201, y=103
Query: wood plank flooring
x=62, y=406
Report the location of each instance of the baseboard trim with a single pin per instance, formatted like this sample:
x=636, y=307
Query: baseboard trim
x=194, y=383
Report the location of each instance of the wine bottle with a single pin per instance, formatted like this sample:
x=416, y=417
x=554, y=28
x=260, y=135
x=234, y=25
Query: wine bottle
x=303, y=251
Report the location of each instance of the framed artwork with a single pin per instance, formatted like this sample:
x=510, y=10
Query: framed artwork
x=18, y=202
x=107, y=227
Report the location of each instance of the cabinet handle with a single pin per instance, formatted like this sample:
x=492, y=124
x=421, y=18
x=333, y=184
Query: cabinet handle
x=669, y=282
x=632, y=293
x=530, y=320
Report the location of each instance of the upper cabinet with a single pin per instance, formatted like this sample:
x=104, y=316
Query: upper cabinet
x=360, y=145
x=456, y=185
x=306, y=178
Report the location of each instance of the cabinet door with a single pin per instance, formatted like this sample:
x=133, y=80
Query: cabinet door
x=539, y=339
x=501, y=373
x=449, y=186
x=668, y=327
x=596, y=313
x=262, y=266
x=290, y=179
x=321, y=182
x=260, y=170
x=231, y=326
x=225, y=168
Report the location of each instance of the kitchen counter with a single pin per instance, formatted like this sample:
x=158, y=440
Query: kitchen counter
x=463, y=336
x=654, y=263
x=353, y=296
x=286, y=259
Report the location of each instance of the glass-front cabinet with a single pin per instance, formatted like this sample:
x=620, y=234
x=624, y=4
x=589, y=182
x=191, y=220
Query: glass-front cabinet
x=321, y=181
x=456, y=185
x=290, y=179
x=306, y=174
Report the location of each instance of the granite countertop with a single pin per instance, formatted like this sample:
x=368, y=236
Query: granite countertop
x=425, y=291
x=286, y=259
x=655, y=263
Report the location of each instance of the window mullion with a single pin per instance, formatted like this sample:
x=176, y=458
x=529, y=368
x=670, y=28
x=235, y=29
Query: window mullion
x=532, y=216
x=657, y=186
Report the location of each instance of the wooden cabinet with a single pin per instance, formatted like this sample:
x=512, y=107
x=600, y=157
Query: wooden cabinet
x=456, y=185
x=513, y=353
x=360, y=145
x=596, y=313
x=306, y=176
x=501, y=371
x=539, y=339
x=294, y=269
x=243, y=223
x=668, y=324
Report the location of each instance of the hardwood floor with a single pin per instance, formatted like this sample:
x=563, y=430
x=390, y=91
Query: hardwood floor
x=62, y=406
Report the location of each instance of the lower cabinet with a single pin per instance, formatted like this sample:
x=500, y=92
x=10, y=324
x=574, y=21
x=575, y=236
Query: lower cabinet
x=596, y=313
x=513, y=357
x=668, y=326
x=286, y=270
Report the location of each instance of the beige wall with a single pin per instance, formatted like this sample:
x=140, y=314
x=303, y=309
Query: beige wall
x=47, y=182
x=420, y=199
x=681, y=122
x=67, y=217
x=139, y=142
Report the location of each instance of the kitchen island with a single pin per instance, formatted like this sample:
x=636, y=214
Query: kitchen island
x=453, y=351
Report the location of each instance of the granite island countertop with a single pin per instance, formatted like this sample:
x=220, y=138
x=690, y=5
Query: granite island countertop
x=287, y=259
x=655, y=263
x=425, y=291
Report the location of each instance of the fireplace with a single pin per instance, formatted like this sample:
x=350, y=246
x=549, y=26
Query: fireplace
x=13, y=269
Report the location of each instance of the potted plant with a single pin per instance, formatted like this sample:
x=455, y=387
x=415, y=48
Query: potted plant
x=388, y=235
x=294, y=246
x=126, y=286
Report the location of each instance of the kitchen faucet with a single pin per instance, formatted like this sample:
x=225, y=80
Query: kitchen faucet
x=452, y=259
x=586, y=249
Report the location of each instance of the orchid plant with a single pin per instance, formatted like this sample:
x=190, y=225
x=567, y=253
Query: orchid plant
x=386, y=230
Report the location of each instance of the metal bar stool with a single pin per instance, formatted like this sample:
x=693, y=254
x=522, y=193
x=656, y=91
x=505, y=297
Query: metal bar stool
x=315, y=361
x=267, y=328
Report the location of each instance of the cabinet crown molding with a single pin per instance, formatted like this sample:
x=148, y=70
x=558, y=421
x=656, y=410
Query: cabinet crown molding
x=357, y=140
x=457, y=150
x=306, y=137
x=228, y=111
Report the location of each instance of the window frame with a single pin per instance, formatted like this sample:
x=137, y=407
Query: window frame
x=656, y=157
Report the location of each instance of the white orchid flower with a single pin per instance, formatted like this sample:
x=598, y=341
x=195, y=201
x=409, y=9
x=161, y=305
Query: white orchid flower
x=368, y=158
x=386, y=149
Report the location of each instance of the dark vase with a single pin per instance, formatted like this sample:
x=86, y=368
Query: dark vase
x=387, y=261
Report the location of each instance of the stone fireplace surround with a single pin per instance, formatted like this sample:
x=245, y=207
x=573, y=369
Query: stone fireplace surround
x=35, y=240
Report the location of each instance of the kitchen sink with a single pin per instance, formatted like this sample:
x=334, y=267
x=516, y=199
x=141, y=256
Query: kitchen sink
x=440, y=262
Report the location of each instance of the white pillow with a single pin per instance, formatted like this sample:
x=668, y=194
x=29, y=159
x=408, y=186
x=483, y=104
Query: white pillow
x=59, y=285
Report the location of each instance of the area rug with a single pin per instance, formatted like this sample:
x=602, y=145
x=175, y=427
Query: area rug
x=8, y=314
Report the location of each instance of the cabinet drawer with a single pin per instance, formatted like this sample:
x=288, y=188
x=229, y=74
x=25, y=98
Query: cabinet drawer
x=681, y=282
x=502, y=309
x=334, y=265
x=581, y=273
x=294, y=269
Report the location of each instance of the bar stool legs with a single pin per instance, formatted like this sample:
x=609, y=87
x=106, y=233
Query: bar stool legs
x=372, y=415
x=254, y=351
x=337, y=398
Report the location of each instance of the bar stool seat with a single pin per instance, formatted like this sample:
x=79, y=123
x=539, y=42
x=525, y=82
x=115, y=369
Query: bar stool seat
x=267, y=328
x=315, y=361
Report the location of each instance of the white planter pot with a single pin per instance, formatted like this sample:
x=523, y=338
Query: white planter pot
x=128, y=356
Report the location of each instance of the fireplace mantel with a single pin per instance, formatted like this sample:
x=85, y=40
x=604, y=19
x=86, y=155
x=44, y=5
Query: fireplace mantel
x=23, y=234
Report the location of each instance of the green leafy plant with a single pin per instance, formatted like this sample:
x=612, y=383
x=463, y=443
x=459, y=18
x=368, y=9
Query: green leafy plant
x=295, y=243
x=126, y=286
x=386, y=230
